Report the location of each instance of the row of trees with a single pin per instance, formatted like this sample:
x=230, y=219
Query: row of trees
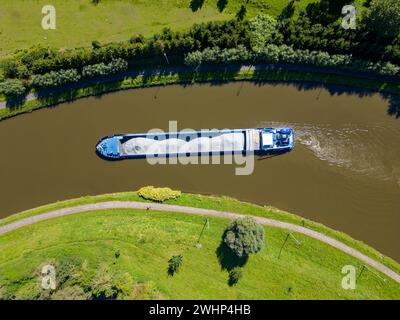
x=376, y=39
x=75, y=280
x=286, y=54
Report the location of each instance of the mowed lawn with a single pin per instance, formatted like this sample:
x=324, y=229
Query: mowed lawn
x=147, y=239
x=79, y=22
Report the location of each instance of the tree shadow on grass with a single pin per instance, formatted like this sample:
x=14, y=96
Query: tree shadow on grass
x=228, y=259
x=196, y=5
x=288, y=11
x=325, y=11
x=221, y=4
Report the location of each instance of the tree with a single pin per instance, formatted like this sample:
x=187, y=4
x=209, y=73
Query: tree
x=174, y=264
x=10, y=68
x=383, y=18
x=103, y=285
x=12, y=88
x=235, y=275
x=244, y=236
x=263, y=29
x=70, y=293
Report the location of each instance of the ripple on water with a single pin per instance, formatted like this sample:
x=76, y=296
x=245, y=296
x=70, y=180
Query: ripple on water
x=353, y=147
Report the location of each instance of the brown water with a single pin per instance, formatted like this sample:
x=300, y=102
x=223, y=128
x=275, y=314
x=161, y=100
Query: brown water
x=344, y=171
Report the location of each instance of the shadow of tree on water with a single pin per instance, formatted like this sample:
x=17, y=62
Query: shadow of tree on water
x=15, y=102
x=394, y=106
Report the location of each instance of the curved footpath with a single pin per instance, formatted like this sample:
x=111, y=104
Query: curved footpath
x=191, y=210
x=204, y=68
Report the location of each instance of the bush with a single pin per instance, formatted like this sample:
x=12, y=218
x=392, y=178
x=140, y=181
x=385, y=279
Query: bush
x=137, y=38
x=10, y=68
x=107, y=284
x=101, y=69
x=216, y=55
x=383, y=17
x=70, y=293
x=264, y=30
x=194, y=58
x=158, y=194
x=28, y=291
x=145, y=291
x=235, y=275
x=286, y=54
x=55, y=78
x=174, y=264
x=244, y=236
x=67, y=271
x=12, y=88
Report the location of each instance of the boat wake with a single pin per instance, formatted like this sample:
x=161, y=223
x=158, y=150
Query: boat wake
x=354, y=147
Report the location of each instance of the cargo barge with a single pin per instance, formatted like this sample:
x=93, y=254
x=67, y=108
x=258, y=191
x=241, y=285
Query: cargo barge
x=258, y=141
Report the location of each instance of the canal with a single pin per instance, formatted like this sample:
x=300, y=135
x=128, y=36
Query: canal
x=344, y=171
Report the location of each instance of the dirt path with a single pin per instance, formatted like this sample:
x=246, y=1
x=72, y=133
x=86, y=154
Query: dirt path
x=173, y=208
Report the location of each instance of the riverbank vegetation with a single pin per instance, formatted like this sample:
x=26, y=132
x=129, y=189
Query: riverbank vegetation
x=217, y=203
x=308, y=78
x=301, y=39
x=125, y=254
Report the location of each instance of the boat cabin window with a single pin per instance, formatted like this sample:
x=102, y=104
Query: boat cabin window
x=267, y=139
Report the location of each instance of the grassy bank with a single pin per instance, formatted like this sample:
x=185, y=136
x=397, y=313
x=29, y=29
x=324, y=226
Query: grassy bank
x=81, y=22
x=78, y=23
x=145, y=240
x=223, y=204
x=190, y=78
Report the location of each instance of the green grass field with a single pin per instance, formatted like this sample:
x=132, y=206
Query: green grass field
x=147, y=239
x=79, y=22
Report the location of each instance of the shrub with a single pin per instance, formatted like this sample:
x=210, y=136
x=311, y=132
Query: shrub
x=101, y=69
x=10, y=68
x=216, y=55
x=286, y=54
x=158, y=194
x=70, y=293
x=145, y=291
x=12, y=88
x=55, y=78
x=174, y=264
x=102, y=284
x=244, y=236
x=383, y=17
x=235, y=275
x=194, y=58
x=23, y=72
x=264, y=29
x=107, y=284
x=67, y=271
x=28, y=291
x=137, y=38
